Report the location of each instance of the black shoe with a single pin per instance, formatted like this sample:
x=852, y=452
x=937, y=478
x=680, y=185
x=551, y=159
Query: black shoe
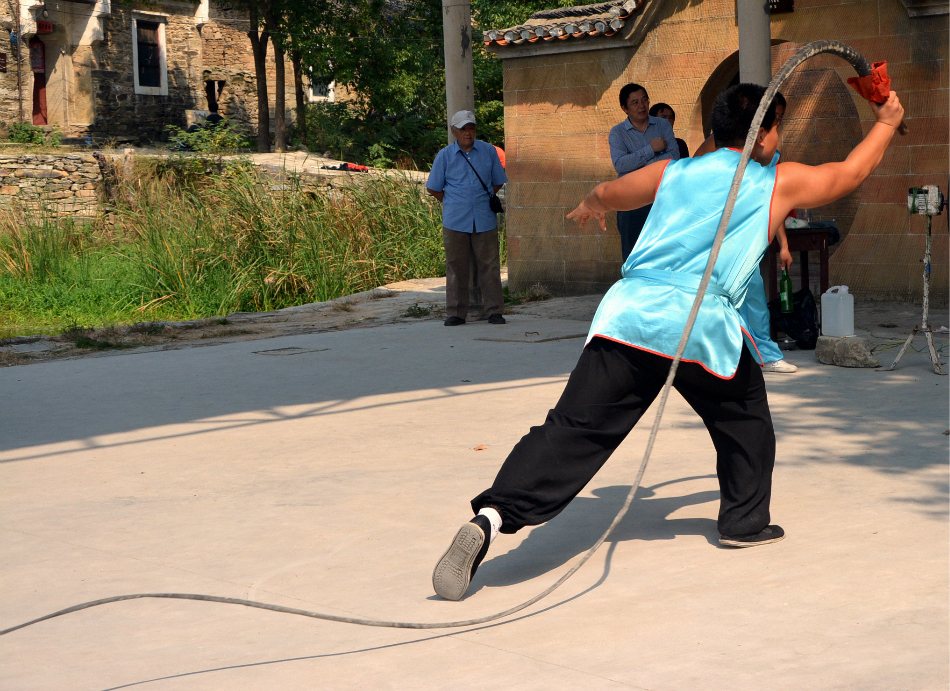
x=769, y=534
x=496, y=319
x=454, y=321
x=455, y=569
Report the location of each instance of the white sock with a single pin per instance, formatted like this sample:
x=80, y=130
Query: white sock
x=495, y=519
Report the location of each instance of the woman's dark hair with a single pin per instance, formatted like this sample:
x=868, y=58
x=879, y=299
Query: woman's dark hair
x=733, y=112
x=655, y=109
x=629, y=89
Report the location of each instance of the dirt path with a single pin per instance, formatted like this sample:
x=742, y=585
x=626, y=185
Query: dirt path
x=405, y=301
x=884, y=324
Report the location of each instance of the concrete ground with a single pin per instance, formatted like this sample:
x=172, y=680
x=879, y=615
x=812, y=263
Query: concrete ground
x=329, y=470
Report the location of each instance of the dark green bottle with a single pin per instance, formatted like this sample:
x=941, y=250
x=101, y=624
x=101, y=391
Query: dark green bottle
x=785, y=293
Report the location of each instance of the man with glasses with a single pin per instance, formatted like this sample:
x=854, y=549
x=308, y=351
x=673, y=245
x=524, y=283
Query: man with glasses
x=635, y=143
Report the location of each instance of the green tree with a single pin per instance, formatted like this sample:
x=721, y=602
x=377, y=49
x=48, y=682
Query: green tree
x=389, y=57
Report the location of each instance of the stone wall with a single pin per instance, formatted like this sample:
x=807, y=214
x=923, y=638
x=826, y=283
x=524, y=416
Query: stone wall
x=66, y=183
x=119, y=111
x=9, y=98
x=560, y=106
x=89, y=70
x=227, y=56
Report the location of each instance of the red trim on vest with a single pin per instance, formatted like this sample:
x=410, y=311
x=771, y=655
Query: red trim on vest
x=668, y=357
x=662, y=173
x=752, y=341
x=771, y=200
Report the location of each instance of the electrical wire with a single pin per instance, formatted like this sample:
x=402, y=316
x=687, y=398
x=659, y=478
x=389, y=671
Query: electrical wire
x=806, y=52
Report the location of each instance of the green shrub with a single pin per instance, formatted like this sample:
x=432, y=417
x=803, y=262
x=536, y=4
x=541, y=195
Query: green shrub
x=220, y=139
x=25, y=133
x=208, y=146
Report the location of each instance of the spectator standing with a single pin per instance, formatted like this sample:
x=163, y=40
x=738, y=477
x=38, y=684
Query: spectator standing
x=638, y=141
x=665, y=111
x=460, y=178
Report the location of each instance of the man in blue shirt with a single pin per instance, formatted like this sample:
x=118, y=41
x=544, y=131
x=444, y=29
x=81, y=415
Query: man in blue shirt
x=464, y=176
x=635, y=143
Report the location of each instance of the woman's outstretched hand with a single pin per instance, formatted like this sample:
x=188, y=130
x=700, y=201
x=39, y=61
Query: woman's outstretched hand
x=584, y=213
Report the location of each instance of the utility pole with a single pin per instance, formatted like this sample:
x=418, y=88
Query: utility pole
x=459, y=76
x=755, y=41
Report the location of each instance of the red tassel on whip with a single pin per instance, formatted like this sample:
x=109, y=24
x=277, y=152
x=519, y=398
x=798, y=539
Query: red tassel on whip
x=875, y=87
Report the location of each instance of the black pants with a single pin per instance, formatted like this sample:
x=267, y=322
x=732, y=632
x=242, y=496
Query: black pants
x=629, y=224
x=611, y=387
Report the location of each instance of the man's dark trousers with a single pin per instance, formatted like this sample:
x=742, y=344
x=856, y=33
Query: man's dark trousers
x=629, y=224
x=610, y=388
x=460, y=249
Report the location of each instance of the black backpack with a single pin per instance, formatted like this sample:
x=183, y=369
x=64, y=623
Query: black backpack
x=801, y=324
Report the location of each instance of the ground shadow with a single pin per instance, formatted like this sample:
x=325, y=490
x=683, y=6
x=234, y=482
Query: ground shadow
x=339, y=373
x=580, y=525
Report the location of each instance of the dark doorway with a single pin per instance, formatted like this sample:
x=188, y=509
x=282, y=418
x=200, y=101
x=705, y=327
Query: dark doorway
x=40, y=113
x=38, y=68
x=213, y=91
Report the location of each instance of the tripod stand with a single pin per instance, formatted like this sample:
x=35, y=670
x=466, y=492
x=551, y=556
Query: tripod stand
x=918, y=203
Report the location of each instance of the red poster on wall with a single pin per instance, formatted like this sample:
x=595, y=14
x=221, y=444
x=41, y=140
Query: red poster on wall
x=37, y=56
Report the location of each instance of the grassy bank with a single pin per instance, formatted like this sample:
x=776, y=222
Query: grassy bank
x=189, y=248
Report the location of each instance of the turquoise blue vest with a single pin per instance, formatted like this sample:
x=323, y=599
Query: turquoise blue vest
x=648, y=307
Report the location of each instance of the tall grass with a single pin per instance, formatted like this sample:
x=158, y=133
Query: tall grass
x=210, y=246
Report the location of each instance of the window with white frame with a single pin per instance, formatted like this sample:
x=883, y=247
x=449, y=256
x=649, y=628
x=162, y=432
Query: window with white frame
x=320, y=91
x=150, y=67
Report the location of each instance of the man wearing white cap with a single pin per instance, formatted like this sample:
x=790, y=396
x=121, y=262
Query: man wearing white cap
x=464, y=176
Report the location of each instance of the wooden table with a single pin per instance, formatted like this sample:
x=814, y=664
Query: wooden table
x=803, y=240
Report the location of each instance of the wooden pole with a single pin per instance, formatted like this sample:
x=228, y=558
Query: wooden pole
x=459, y=75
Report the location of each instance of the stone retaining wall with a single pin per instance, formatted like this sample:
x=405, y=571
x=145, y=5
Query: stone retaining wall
x=66, y=183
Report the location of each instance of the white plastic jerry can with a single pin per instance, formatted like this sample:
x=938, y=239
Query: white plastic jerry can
x=837, y=312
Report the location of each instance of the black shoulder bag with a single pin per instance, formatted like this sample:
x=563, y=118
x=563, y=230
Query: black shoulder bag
x=494, y=203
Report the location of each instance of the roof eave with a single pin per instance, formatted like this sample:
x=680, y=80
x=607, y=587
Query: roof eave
x=618, y=40
x=621, y=39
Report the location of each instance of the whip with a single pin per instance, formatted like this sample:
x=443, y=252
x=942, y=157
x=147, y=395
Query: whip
x=812, y=49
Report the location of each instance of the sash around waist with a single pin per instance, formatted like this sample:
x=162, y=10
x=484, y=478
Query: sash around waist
x=681, y=280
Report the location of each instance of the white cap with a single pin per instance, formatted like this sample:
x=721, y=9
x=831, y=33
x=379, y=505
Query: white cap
x=462, y=118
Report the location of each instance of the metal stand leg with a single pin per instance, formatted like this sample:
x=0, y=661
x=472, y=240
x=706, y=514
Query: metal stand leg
x=934, y=358
x=925, y=317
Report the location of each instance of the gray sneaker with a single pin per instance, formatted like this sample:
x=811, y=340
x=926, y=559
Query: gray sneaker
x=455, y=569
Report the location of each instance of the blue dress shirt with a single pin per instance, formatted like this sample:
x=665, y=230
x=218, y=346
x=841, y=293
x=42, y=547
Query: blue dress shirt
x=630, y=148
x=465, y=205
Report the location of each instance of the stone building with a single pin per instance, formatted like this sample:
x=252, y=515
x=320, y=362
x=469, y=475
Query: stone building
x=563, y=71
x=108, y=70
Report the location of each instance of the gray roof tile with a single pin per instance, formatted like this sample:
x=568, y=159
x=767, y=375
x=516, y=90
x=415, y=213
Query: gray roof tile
x=582, y=21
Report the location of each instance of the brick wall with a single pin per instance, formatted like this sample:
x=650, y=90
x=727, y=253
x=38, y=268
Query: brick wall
x=560, y=107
